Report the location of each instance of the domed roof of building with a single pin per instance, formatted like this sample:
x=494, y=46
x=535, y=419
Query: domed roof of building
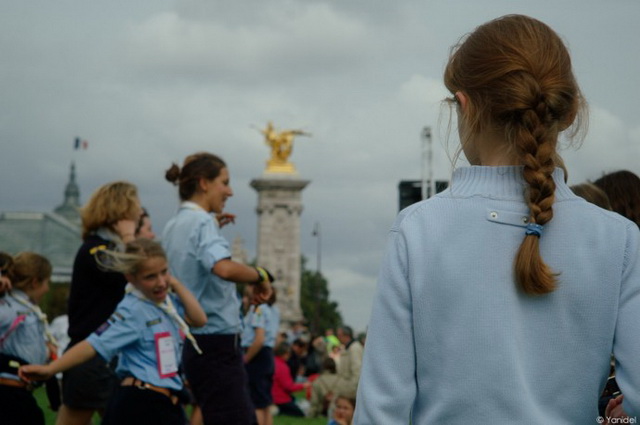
x=55, y=235
x=70, y=207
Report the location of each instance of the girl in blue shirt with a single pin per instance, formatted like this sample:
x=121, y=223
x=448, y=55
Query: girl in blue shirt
x=146, y=331
x=501, y=299
x=258, y=338
x=24, y=336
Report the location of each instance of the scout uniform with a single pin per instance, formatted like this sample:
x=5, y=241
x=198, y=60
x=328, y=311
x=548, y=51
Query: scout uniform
x=148, y=339
x=261, y=367
x=218, y=379
x=23, y=340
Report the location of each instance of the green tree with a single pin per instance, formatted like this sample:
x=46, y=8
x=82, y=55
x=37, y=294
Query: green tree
x=319, y=311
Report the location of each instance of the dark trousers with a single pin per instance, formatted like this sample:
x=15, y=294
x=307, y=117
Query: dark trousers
x=219, y=381
x=19, y=407
x=135, y=406
x=260, y=371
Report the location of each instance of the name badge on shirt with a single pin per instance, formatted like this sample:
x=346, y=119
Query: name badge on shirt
x=166, y=355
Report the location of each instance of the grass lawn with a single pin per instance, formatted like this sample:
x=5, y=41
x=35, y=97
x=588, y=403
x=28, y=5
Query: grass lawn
x=50, y=416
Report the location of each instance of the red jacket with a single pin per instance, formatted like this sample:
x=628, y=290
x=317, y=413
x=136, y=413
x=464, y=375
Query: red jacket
x=283, y=385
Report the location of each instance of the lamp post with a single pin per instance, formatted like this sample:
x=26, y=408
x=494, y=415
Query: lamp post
x=316, y=233
x=316, y=280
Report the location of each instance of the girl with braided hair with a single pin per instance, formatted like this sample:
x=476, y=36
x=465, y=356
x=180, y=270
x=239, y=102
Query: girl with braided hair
x=501, y=299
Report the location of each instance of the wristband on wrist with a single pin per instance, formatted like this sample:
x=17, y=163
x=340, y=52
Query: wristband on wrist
x=262, y=275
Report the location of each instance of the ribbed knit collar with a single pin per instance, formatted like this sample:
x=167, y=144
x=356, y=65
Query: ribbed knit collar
x=504, y=182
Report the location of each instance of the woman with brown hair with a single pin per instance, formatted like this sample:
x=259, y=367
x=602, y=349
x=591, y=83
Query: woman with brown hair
x=201, y=258
x=623, y=189
x=108, y=222
x=592, y=193
x=501, y=299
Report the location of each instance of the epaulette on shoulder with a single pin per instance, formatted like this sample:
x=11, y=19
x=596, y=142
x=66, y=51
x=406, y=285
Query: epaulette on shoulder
x=97, y=248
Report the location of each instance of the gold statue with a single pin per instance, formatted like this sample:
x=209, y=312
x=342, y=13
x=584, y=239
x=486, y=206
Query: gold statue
x=281, y=144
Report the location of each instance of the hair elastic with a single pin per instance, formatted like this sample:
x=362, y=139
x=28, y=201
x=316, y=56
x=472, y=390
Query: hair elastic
x=533, y=229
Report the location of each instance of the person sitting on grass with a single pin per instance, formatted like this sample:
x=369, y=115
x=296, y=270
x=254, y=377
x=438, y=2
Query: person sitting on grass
x=283, y=385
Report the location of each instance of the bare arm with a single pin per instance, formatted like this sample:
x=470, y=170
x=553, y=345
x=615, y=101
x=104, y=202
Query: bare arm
x=614, y=409
x=236, y=272
x=194, y=313
x=76, y=355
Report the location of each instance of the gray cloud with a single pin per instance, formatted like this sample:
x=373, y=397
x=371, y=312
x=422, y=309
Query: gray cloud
x=150, y=82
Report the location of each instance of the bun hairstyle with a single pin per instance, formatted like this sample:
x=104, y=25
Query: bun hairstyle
x=199, y=165
x=516, y=73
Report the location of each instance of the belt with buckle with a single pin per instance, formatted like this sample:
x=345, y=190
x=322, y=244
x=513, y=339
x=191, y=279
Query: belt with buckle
x=130, y=381
x=13, y=383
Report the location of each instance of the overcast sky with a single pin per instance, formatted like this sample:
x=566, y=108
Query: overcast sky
x=147, y=82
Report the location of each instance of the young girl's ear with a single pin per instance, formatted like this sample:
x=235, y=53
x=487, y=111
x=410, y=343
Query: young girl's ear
x=34, y=283
x=129, y=277
x=462, y=100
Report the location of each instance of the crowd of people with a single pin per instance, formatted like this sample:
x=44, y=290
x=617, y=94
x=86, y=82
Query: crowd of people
x=154, y=327
x=507, y=298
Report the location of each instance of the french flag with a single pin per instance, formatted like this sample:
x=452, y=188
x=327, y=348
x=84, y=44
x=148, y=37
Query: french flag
x=80, y=144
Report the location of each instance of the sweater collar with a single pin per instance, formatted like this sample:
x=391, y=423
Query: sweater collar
x=190, y=205
x=505, y=182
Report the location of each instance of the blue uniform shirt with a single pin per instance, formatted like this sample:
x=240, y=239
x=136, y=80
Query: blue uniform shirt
x=26, y=339
x=134, y=330
x=275, y=324
x=193, y=244
x=260, y=316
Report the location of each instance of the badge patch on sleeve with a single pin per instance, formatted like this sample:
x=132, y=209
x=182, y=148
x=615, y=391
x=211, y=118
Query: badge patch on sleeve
x=115, y=317
x=102, y=328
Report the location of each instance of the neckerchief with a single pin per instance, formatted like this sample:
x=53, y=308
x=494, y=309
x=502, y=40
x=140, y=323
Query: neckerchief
x=167, y=307
x=38, y=312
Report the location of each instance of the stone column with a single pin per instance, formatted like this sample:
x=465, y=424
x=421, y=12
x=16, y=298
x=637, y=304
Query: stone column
x=279, y=209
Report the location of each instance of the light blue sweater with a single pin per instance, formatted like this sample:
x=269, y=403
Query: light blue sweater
x=453, y=341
